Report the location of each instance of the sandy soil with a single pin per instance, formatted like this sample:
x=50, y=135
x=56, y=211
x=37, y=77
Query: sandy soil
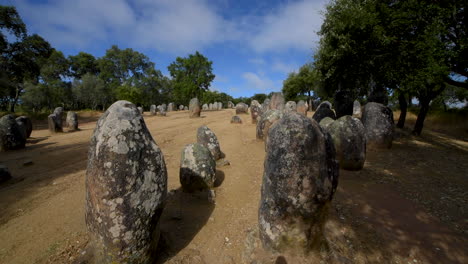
x=408, y=205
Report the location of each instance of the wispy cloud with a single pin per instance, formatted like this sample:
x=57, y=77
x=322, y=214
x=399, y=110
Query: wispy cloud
x=285, y=68
x=255, y=81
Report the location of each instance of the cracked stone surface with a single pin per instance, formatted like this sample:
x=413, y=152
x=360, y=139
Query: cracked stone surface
x=378, y=121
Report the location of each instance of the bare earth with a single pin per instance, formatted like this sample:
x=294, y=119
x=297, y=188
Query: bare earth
x=408, y=205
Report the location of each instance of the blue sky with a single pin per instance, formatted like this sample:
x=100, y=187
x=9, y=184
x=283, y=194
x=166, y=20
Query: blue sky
x=253, y=44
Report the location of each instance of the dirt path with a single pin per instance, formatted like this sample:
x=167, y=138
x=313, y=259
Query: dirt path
x=409, y=204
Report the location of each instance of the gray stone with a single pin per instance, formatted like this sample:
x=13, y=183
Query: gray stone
x=12, y=136
x=266, y=121
x=266, y=105
x=236, y=120
x=357, y=112
x=210, y=106
x=325, y=104
x=220, y=106
x=72, y=121
x=302, y=107
x=277, y=101
x=140, y=109
x=22, y=129
x=171, y=107
x=207, y=138
x=126, y=187
x=197, y=168
x=290, y=106
x=181, y=107
x=255, y=112
x=205, y=107
x=325, y=122
x=5, y=174
x=27, y=124
x=256, y=103
x=231, y=104
x=163, y=108
x=186, y=108
x=153, y=110
x=323, y=112
x=379, y=124
x=299, y=180
x=55, y=123
x=194, y=108
x=242, y=108
x=349, y=138
x=58, y=112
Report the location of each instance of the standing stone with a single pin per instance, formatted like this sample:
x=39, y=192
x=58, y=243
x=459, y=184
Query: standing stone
x=55, y=123
x=256, y=103
x=255, y=112
x=205, y=107
x=290, y=107
x=207, y=138
x=185, y=108
x=231, y=104
x=164, y=108
x=140, y=109
x=181, y=107
x=22, y=129
x=197, y=168
x=12, y=136
x=126, y=186
x=194, y=108
x=277, y=101
x=349, y=137
x=236, y=120
x=325, y=122
x=220, y=106
x=343, y=103
x=72, y=121
x=266, y=105
x=171, y=107
x=323, y=112
x=325, y=104
x=266, y=121
x=379, y=124
x=357, y=109
x=58, y=111
x=302, y=107
x=5, y=174
x=153, y=110
x=27, y=124
x=299, y=180
x=242, y=108
x=210, y=106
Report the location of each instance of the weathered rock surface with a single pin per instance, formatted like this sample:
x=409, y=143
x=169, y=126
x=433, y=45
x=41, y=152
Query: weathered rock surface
x=266, y=120
x=27, y=124
x=242, y=108
x=12, y=136
x=349, y=138
x=72, y=121
x=197, y=168
x=153, y=110
x=181, y=107
x=266, y=105
x=290, y=106
x=277, y=101
x=323, y=112
x=255, y=112
x=325, y=122
x=55, y=123
x=255, y=102
x=207, y=138
x=357, y=109
x=126, y=186
x=302, y=107
x=58, y=112
x=194, y=108
x=205, y=107
x=171, y=107
x=236, y=120
x=5, y=174
x=140, y=109
x=186, y=108
x=299, y=180
x=343, y=103
x=231, y=104
x=22, y=129
x=325, y=104
x=379, y=124
x=164, y=107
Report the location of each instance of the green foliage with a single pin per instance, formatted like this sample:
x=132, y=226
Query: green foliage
x=81, y=64
x=191, y=77
x=259, y=97
x=11, y=22
x=301, y=83
x=215, y=96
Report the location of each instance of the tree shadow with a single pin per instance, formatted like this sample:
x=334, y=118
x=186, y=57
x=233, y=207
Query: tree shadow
x=35, y=140
x=184, y=216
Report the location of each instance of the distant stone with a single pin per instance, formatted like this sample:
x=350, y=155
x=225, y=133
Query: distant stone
x=255, y=112
x=290, y=107
x=299, y=180
x=302, y=107
x=12, y=136
x=194, y=108
x=181, y=107
x=211, y=106
x=256, y=103
x=379, y=124
x=27, y=124
x=205, y=107
x=186, y=108
x=197, y=168
x=72, y=121
x=236, y=120
x=58, y=110
x=231, y=104
x=140, y=109
x=325, y=122
x=207, y=138
x=5, y=174
x=171, y=107
x=266, y=105
x=343, y=103
x=266, y=121
x=323, y=112
x=153, y=110
x=59, y=113
x=277, y=101
x=220, y=106
x=55, y=123
x=164, y=108
x=242, y=108
x=126, y=187
x=357, y=109
x=349, y=138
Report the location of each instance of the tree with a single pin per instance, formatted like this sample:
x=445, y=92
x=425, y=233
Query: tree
x=260, y=97
x=191, y=76
x=301, y=83
x=81, y=64
x=90, y=92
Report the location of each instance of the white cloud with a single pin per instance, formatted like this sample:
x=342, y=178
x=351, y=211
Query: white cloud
x=257, y=61
x=284, y=68
x=255, y=81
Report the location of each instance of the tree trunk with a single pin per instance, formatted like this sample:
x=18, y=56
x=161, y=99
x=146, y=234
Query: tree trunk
x=424, y=103
x=13, y=104
x=403, y=109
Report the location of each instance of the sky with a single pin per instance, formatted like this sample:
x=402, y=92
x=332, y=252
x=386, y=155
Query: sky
x=253, y=44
